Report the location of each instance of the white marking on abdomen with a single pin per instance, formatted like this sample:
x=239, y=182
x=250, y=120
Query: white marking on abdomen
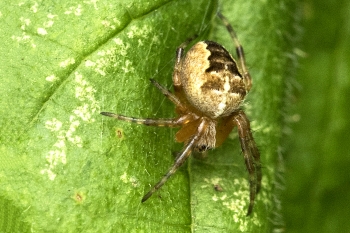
x=222, y=104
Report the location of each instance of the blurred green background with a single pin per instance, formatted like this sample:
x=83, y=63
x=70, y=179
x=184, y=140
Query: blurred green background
x=317, y=156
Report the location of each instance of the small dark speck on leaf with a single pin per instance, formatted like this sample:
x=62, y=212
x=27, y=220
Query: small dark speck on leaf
x=79, y=197
x=218, y=188
x=119, y=133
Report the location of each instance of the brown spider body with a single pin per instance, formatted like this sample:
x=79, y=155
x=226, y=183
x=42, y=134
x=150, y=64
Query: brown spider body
x=209, y=90
x=211, y=80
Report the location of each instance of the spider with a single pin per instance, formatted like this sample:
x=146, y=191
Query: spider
x=209, y=88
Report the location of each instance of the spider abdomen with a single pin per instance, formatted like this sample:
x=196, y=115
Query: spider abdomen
x=211, y=80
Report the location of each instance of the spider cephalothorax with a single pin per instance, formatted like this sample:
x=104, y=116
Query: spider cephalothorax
x=209, y=88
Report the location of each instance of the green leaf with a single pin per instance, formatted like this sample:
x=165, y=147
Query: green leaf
x=64, y=167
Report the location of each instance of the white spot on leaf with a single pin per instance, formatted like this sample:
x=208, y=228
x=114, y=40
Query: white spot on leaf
x=132, y=180
x=74, y=10
x=112, y=57
x=135, y=31
x=53, y=158
x=84, y=92
x=34, y=8
x=89, y=63
x=67, y=62
x=48, y=24
x=25, y=22
x=128, y=67
x=51, y=16
x=124, y=177
x=41, y=31
x=108, y=24
x=116, y=21
x=23, y=38
x=51, y=78
x=92, y=2
x=53, y=125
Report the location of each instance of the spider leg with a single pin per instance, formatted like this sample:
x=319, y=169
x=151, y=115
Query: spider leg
x=251, y=156
x=166, y=122
x=180, y=159
x=239, y=52
x=168, y=94
x=179, y=54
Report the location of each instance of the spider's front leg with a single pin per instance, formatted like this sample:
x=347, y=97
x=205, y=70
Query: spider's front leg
x=179, y=54
x=171, y=122
x=161, y=122
x=180, y=159
x=168, y=94
x=251, y=156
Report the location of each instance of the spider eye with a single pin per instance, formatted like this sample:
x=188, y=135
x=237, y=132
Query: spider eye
x=202, y=148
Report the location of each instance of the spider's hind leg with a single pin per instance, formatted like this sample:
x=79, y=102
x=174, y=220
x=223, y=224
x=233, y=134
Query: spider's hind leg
x=239, y=52
x=251, y=156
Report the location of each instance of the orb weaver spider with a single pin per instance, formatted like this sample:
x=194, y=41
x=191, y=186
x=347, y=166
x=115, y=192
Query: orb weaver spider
x=209, y=89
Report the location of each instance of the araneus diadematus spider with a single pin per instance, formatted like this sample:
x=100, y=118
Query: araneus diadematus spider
x=209, y=90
